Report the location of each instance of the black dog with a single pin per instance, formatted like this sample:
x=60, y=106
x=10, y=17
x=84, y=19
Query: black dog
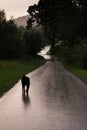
x=25, y=82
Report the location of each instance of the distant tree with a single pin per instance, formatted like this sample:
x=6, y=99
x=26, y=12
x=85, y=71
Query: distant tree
x=34, y=41
x=11, y=43
x=13, y=40
x=2, y=16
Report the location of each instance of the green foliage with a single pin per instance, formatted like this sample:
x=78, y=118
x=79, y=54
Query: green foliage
x=2, y=16
x=58, y=17
x=76, y=55
x=80, y=54
x=64, y=20
x=11, y=44
x=79, y=72
x=17, y=42
x=34, y=41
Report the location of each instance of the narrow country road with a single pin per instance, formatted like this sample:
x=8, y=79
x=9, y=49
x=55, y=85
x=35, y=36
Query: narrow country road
x=57, y=101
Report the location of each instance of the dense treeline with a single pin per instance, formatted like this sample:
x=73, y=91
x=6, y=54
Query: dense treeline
x=9, y=38
x=17, y=42
x=34, y=40
x=65, y=26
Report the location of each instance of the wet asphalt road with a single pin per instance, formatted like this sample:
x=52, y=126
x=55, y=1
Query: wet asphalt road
x=57, y=101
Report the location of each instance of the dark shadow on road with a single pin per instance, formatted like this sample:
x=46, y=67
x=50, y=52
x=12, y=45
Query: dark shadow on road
x=26, y=99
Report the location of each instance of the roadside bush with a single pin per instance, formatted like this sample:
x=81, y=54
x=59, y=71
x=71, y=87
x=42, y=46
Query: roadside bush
x=80, y=54
x=76, y=55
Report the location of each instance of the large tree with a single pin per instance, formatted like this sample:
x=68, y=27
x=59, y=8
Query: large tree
x=64, y=20
x=55, y=16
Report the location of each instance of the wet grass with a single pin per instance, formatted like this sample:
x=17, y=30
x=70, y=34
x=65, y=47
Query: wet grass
x=80, y=73
x=12, y=71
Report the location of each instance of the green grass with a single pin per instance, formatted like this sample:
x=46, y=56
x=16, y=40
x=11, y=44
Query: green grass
x=81, y=73
x=12, y=71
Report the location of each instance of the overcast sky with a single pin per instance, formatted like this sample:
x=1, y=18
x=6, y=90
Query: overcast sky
x=16, y=8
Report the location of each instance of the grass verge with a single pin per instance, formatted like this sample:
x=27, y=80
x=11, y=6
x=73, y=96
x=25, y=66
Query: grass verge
x=80, y=73
x=12, y=71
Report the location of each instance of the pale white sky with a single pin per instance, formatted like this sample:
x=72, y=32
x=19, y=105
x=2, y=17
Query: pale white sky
x=16, y=8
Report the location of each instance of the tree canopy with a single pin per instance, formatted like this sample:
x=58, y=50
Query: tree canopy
x=34, y=41
x=65, y=26
x=61, y=19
